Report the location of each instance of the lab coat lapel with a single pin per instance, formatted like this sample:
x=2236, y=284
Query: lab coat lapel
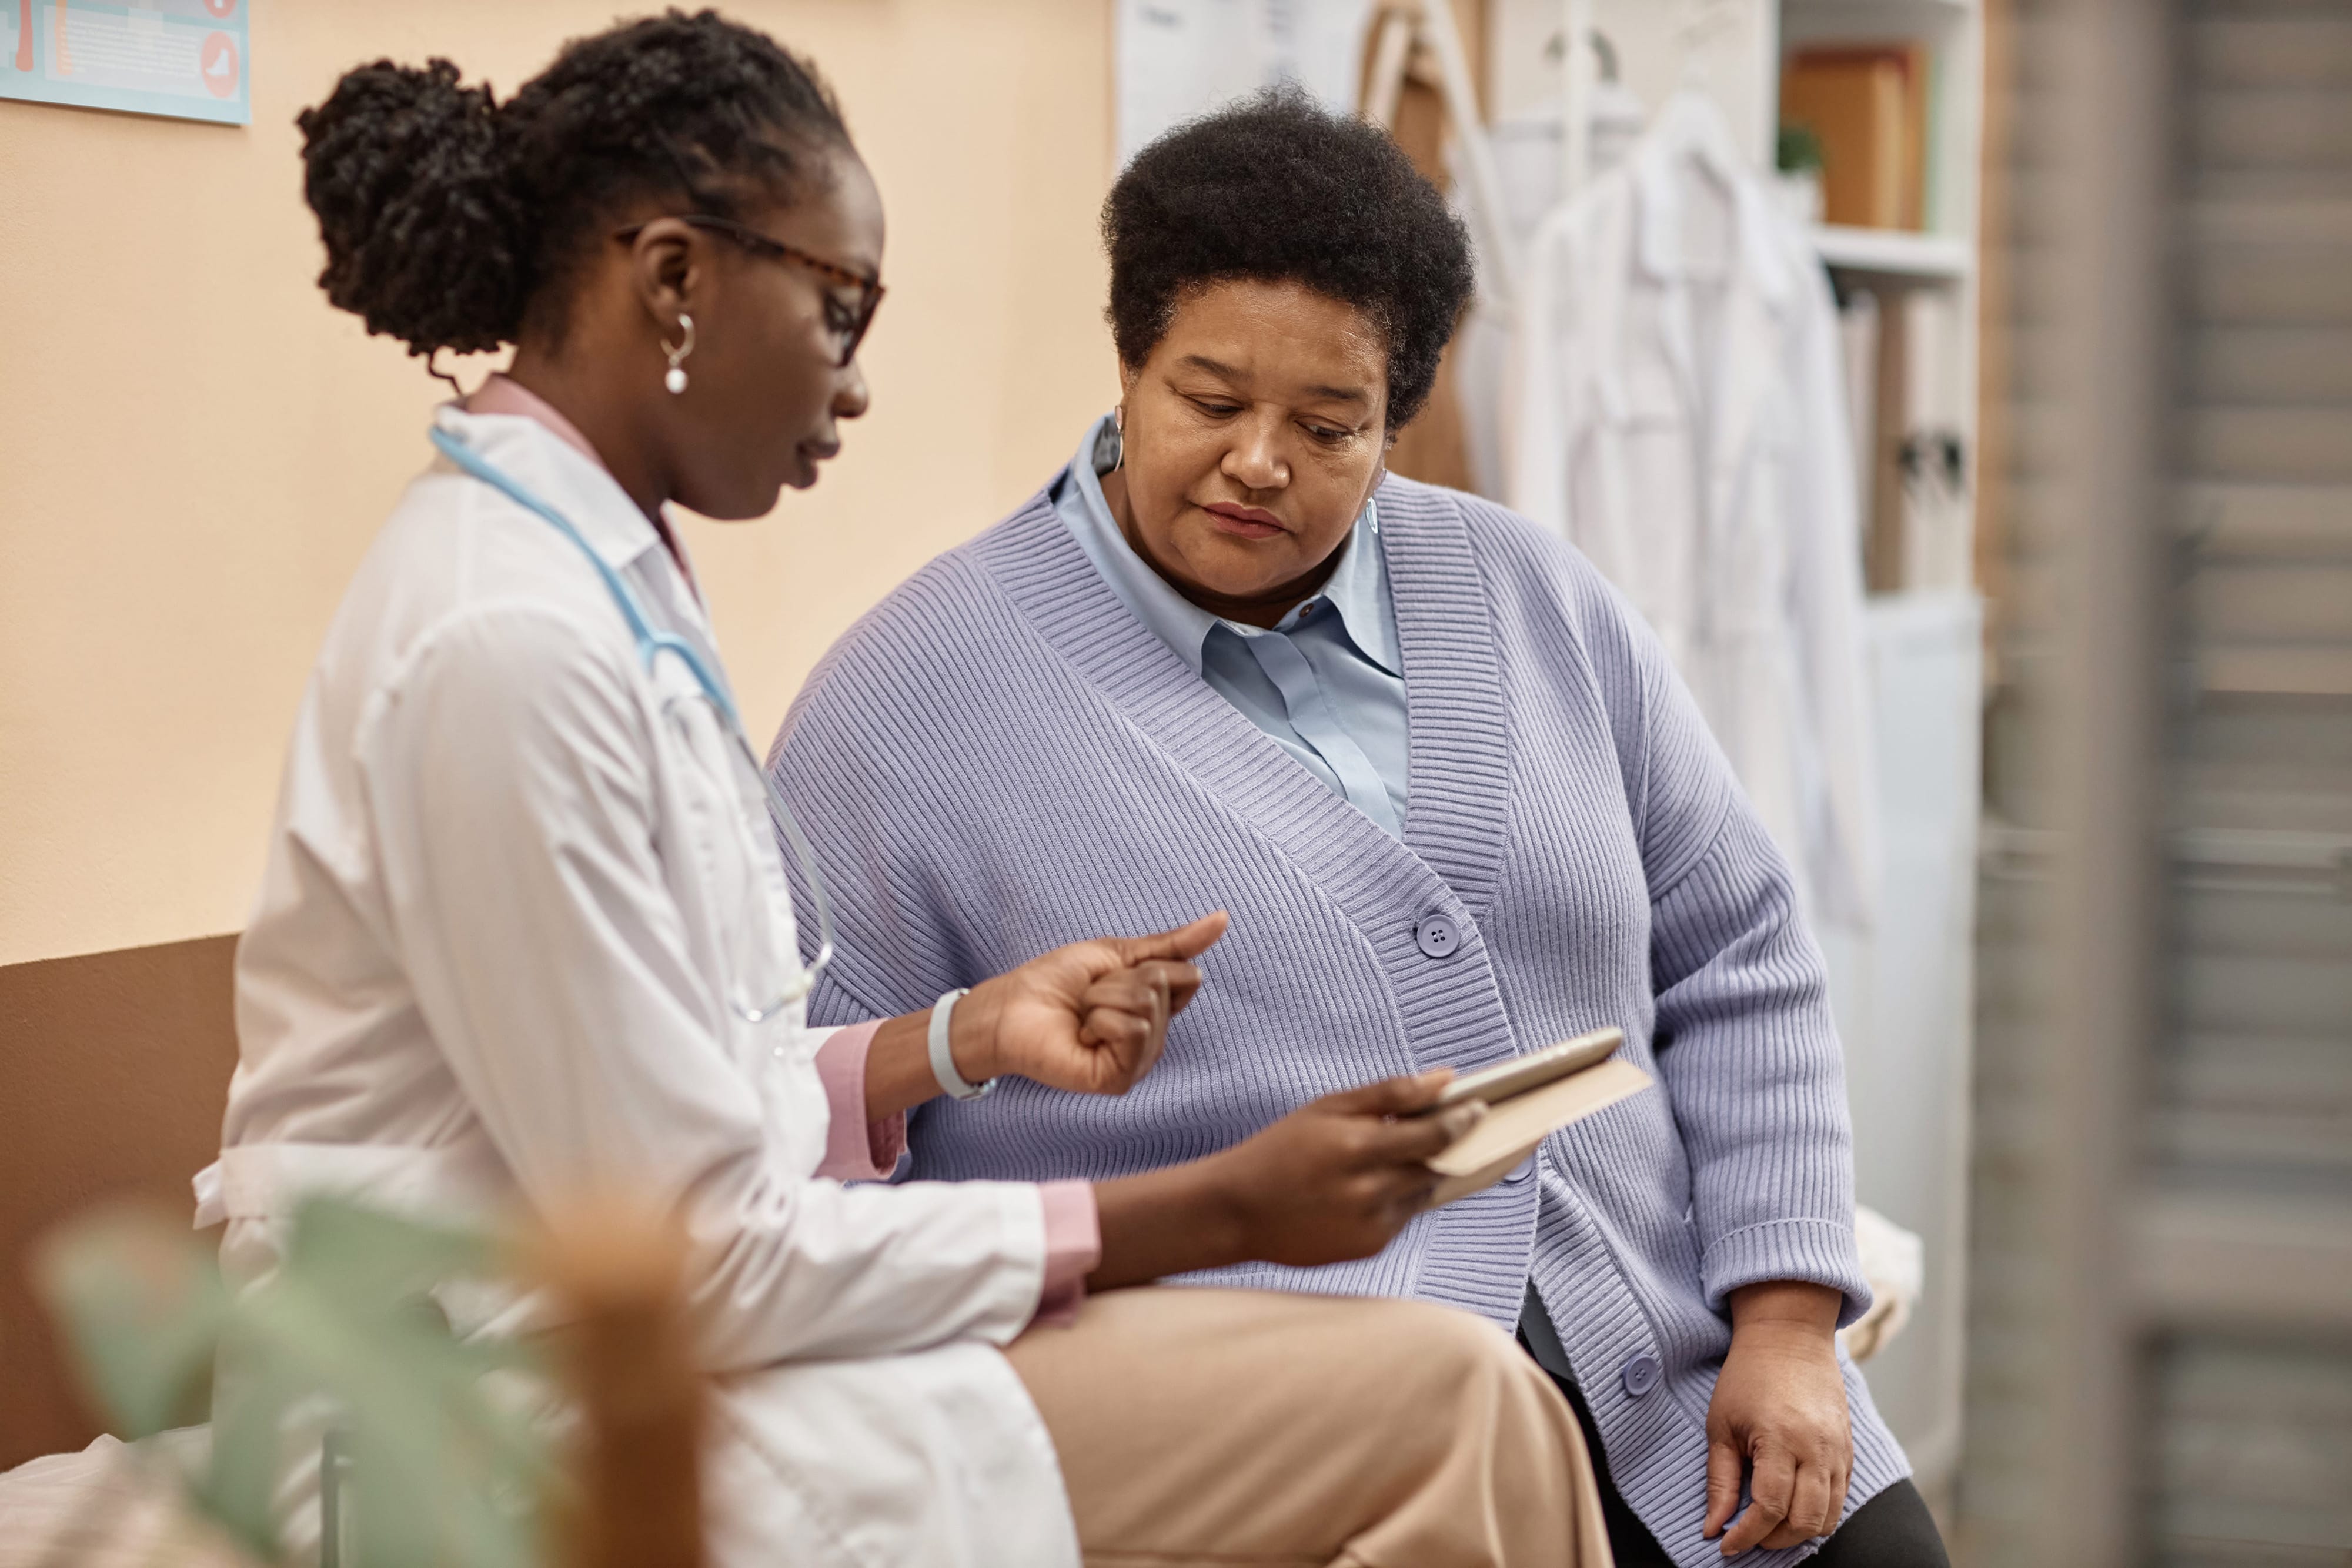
x=1612, y=535
x=1749, y=555
x=1660, y=254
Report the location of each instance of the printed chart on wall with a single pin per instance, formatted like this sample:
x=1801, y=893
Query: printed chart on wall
x=184, y=59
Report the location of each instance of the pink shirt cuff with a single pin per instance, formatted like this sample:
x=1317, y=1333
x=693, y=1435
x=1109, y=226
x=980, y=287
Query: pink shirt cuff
x=855, y=1148
x=1072, y=1248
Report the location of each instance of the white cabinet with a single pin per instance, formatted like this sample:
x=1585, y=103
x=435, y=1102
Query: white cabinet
x=1904, y=997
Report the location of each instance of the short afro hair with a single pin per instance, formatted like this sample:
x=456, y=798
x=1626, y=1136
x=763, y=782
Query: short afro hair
x=1278, y=189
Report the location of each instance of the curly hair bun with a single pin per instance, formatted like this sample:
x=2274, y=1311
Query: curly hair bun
x=426, y=238
x=455, y=222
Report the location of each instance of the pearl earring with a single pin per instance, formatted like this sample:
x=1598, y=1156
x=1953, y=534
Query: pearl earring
x=676, y=378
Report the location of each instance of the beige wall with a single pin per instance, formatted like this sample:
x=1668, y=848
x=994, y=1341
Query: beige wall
x=194, y=449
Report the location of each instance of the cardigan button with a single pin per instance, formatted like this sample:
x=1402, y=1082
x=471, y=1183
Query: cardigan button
x=1642, y=1374
x=1438, y=936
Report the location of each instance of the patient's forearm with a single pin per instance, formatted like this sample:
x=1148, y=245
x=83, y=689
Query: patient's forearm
x=1166, y=1222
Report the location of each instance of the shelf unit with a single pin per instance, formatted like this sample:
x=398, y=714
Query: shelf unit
x=1893, y=254
x=1734, y=49
x=1905, y=995
x=1933, y=375
x=1902, y=994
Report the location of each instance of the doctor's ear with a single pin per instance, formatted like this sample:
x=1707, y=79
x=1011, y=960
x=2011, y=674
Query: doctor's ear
x=666, y=266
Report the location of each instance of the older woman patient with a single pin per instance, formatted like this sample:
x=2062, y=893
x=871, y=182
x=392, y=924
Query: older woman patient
x=1456, y=800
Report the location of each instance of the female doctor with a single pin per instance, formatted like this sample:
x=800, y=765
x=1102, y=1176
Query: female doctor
x=525, y=932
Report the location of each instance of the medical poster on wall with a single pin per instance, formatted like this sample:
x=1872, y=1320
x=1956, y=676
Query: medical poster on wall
x=183, y=58
x=1180, y=58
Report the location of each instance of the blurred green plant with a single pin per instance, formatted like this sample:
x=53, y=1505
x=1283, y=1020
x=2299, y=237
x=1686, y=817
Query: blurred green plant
x=1798, y=148
x=449, y=1467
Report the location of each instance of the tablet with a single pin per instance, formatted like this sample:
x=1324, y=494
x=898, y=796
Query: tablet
x=1505, y=1079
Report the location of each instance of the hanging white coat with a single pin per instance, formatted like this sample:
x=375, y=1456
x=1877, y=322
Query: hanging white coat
x=1675, y=410
x=516, y=878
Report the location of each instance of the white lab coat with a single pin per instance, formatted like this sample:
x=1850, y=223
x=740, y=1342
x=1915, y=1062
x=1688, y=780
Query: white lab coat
x=1675, y=411
x=514, y=880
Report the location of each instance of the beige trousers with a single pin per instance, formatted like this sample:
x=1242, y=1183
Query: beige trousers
x=1247, y=1426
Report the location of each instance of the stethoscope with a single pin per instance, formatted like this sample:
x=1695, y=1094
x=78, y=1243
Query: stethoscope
x=651, y=645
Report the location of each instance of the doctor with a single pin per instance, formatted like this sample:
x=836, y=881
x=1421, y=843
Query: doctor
x=524, y=933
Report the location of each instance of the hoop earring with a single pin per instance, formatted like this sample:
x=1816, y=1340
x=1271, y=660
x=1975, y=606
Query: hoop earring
x=1110, y=446
x=676, y=378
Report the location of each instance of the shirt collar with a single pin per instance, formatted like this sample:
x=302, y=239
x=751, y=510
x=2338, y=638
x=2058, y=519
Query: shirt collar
x=501, y=394
x=550, y=467
x=1357, y=589
x=501, y=397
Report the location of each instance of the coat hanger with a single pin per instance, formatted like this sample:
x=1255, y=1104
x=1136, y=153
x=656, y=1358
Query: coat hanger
x=1692, y=125
x=1701, y=21
x=1604, y=53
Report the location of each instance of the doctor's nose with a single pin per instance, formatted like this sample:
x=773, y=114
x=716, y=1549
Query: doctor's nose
x=850, y=396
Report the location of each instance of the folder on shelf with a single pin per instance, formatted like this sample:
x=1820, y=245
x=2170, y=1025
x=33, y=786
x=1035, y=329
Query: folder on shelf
x=1867, y=104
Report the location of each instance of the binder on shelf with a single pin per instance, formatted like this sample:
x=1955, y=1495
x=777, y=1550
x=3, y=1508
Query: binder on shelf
x=1867, y=104
x=1858, y=329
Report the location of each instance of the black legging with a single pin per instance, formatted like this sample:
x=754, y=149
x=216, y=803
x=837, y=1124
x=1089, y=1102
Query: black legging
x=1893, y=1530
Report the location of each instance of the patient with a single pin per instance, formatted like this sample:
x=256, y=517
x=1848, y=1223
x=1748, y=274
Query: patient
x=1459, y=805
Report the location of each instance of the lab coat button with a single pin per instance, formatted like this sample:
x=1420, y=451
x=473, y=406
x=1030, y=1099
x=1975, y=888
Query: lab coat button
x=1642, y=1374
x=1438, y=936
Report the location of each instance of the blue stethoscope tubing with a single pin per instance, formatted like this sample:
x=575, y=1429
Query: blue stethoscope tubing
x=652, y=643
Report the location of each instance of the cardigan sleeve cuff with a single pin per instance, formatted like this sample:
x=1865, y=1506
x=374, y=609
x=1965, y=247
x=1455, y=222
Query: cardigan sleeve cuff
x=855, y=1148
x=1815, y=1251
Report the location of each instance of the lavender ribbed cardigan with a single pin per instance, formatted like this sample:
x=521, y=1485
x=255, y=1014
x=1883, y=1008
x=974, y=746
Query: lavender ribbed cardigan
x=1000, y=758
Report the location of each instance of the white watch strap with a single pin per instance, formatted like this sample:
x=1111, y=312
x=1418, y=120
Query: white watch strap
x=943, y=1067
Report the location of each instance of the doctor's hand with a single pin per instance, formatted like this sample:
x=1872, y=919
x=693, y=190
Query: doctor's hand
x=1091, y=1017
x=1335, y=1179
x=1779, y=1420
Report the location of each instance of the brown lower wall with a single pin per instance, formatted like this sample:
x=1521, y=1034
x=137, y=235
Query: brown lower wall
x=113, y=1071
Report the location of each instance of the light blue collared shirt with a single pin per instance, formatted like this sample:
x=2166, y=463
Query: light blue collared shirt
x=1326, y=683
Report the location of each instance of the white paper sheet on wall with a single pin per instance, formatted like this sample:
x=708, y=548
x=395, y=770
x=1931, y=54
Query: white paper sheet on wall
x=1180, y=58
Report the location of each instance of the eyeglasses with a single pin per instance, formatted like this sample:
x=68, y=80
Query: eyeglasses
x=869, y=291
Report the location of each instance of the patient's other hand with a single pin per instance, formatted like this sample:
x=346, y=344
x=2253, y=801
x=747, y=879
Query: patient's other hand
x=1091, y=1017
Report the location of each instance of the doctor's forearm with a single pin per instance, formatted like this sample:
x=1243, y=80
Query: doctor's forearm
x=899, y=1067
x=898, y=1074
x=1168, y=1221
x=1334, y=1180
